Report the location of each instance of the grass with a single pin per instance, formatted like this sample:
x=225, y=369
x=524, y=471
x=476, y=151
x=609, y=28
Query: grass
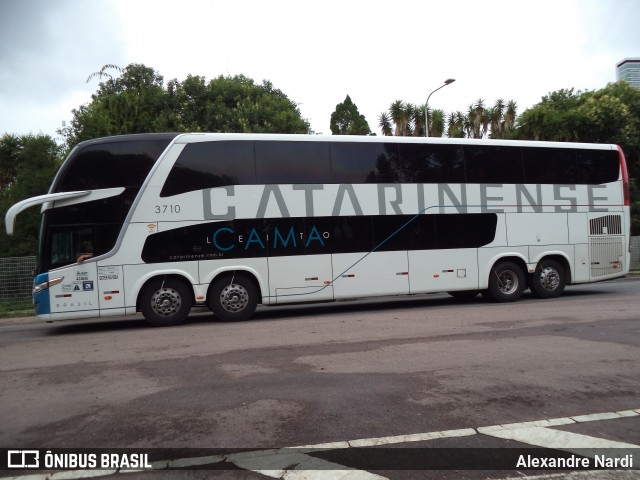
x=16, y=308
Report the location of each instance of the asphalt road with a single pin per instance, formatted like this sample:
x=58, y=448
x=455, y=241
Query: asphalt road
x=308, y=375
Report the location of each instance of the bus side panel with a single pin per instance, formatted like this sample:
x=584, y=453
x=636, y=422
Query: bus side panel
x=579, y=238
x=111, y=290
x=537, y=229
x=443, y=270
x=608, y=245
x=300, y=279
x=370, y=274
x=76, y=296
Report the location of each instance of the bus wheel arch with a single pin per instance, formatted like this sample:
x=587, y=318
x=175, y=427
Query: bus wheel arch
x=166, y=300
x=552, y=274
x=507, y=280
x=234, y=295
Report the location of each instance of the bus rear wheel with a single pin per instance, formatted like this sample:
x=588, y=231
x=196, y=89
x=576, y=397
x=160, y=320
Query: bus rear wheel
x=549, y=279
x=506, y=282
x=233, y=298
x=165, y=302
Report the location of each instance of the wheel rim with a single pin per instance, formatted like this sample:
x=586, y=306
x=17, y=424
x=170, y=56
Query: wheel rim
x=166, y=302
x=507, y=282
x=234, y=298
x=549, y=278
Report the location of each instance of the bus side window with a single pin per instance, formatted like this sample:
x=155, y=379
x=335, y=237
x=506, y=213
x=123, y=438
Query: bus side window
x=292, y=162
x=427, y=163
x=489, y=164
x=365, y=163
x=210, y=165
x=550, y=165
x=598, y=166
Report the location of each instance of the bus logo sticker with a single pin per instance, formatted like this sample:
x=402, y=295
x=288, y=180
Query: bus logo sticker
x=87, y=286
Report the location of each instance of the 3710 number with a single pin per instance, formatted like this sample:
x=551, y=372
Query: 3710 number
x=167, y=208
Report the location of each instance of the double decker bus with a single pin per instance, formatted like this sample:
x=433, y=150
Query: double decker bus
x=158, y=223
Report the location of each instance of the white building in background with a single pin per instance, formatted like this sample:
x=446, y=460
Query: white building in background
x=629, y=71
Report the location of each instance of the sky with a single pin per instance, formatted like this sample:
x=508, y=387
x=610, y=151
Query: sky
x=316, y=52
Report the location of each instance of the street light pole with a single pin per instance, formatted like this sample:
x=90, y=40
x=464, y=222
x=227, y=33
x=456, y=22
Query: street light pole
x=448, y=81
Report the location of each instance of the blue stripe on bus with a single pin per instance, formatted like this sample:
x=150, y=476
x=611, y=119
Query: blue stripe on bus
x=41, y=300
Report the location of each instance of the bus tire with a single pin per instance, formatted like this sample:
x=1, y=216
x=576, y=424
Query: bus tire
x=507, y=282
x=549, y=279
x=233, y=298
x=165, y=302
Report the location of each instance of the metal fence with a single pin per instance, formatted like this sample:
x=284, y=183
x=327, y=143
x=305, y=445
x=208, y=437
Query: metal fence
x=16, y=281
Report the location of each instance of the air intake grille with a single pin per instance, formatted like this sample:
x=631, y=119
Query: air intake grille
x=607, y=255
x=607, y=225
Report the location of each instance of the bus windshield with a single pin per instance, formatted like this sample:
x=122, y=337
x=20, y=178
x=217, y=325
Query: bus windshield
x=91, y=228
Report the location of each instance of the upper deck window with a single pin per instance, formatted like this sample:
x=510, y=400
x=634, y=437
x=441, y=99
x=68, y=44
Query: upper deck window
x=110, y=164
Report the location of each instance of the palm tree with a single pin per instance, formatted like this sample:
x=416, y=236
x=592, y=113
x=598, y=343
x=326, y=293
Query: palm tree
x=495, y=117
x=456, y=124
x=418, y=120
x=384, y=122
x=103, y=72
x=510, y=117
x=400, y=117
x=478, y=120
x=410, y=110
x=436, y=127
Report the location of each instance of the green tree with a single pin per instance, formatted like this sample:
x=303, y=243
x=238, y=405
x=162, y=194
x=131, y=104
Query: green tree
x=400, y=117
x=138, y=101
x=477, y=123
x=419, y=119
x=404, y=119
x=35, y=161
x=384, y=122
x=9, y=148
x=436, y=123
x=456, y=125
x=608, y=115
x=347, y=120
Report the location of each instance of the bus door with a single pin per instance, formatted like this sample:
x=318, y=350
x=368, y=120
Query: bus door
x=73, y=292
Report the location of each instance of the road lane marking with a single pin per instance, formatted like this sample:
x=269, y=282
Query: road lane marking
x=282, y=461
x=594, y=417
x=298, y=466
x=557, y=422
x=415, y=437
x=556, y=439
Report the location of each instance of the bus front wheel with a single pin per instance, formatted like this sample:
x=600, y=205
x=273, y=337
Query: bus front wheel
x=506, y=282
x=233, y=298
x=165, y=302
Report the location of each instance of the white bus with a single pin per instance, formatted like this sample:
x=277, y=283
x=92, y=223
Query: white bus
x=159, y=223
